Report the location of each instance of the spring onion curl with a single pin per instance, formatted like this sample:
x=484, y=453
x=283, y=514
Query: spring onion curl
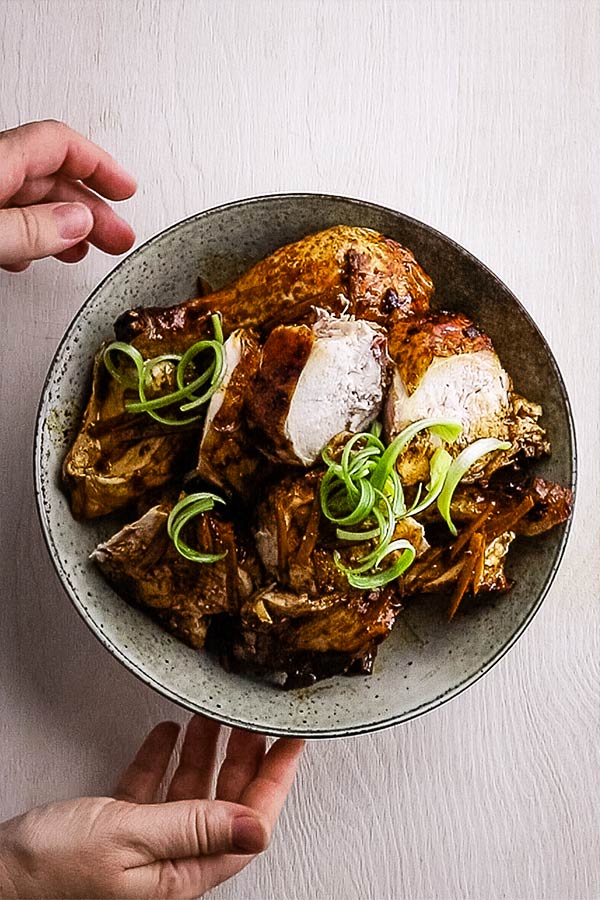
x=352, y=487
x=438, y=469
x=463, y=462
x=364, y=488
x=447, y=429
x=188, y=508
x=188, y=396
x=384, y=576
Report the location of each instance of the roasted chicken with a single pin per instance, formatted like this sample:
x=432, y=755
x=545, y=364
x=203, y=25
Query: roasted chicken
x=344, y=269
x=324, y=339
x=116, y=456
x=445, y=367
x=314, y=382
x=142, y=565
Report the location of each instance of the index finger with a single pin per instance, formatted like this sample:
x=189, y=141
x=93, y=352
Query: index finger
x=140, y=781
x=46, y=148
x=267, y=792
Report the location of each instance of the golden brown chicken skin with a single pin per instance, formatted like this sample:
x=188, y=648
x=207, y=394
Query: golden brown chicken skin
x=445, y=368
x=356, y=270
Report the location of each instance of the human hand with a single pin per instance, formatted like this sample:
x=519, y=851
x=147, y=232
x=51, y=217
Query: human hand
x=130, y=846
x=50, y=179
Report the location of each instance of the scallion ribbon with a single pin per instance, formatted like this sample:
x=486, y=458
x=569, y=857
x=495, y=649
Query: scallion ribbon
x=364, y=488
x=183, y=512
x=459, y=468
x=186, y=396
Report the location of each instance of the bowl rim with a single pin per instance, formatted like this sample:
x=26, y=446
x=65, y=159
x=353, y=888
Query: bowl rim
x=162, y=689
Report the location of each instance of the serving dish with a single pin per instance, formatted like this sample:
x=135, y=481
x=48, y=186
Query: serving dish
x=425, y=661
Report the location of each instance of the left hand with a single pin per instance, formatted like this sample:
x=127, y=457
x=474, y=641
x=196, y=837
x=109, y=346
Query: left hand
x=130, y=846
x=50, y=181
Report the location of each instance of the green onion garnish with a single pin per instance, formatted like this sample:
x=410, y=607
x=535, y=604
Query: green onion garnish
x=186, y=396
x=459, y=467
x=447, y=429
x=438, y=469
x=188, y=508
x=364, y=489
x=383, y=576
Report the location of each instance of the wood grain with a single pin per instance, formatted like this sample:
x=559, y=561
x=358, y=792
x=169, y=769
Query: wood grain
x=480, y=118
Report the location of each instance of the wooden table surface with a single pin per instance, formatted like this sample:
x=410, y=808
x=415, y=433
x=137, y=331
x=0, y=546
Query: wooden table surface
x=482, y=119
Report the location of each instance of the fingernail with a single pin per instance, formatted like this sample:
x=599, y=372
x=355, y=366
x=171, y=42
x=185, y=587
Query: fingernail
x=248, y=835
x=73, y=221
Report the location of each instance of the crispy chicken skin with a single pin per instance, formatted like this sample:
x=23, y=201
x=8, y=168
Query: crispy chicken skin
x=343, y=269
x=116, y=456
x=445, y=367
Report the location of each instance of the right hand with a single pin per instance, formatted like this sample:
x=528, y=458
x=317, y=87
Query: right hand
x=130, y=846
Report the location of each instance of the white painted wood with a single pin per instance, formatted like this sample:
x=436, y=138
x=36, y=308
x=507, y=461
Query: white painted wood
x=480, y=118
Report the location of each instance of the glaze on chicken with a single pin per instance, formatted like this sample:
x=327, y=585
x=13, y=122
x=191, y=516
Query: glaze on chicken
x=322, y=338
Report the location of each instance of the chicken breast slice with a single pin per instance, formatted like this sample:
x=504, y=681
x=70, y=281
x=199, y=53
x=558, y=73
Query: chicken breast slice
x=471, y=388
x=316, y=382
x=340, y=388
x=444, y=368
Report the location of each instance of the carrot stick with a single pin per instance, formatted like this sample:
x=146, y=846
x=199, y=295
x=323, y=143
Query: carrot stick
x=465, y=536
x=466, y=574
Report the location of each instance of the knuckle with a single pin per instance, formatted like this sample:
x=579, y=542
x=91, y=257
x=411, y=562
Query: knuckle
x=54, y=124
x=29, y=228
x=202, y=832
x=168, y=883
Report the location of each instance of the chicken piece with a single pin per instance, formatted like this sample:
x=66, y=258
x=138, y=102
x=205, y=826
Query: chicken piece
x=511, y=505
x=316, y=382
x=445, y=367
x=166, y=329
x=302, y=649
x=552, y=506
x=143, y=565
x=551, y=503
x=295, y=542
x=287, y=529
x=116, y=456
x=306, y=620
x=227, y=457
x=438, y=573
x=343, y=269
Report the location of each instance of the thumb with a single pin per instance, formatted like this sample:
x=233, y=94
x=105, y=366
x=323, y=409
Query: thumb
x=187, y=828
x=32, y=232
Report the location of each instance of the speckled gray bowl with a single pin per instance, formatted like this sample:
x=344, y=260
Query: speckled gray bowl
x=425, y=661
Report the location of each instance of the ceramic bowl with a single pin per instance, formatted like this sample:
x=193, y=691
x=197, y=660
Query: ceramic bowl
x=425, y=661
